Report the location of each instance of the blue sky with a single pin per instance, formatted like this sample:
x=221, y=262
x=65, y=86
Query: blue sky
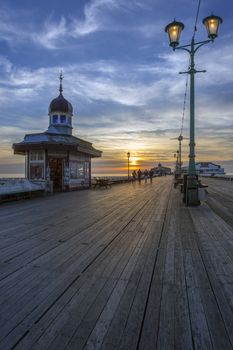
x=120, y=75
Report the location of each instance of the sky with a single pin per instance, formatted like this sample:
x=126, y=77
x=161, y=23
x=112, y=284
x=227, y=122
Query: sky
x=121, y=77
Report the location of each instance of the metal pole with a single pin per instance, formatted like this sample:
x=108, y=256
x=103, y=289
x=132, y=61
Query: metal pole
x=180, y=158
x=192, y=167
x=192, y=181
x=128, y=155
x=128, y=168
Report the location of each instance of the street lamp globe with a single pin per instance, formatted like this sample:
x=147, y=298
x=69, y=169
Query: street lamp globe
x=212, y=24
x=180, y=138
x=174, y=30
x=128, y=154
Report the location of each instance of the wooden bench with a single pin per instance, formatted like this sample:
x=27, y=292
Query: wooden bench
x=102, y=183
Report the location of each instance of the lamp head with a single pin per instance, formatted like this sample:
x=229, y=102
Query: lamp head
x=180, y=138
x=174, y=30
x=212, y=24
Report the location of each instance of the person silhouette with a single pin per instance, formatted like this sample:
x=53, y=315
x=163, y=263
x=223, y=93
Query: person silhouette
x=151, y=174
x=139, y=175
x=146, y=175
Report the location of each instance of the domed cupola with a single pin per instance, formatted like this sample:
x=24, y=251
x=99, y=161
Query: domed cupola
x=60, y=114
x=60, y=104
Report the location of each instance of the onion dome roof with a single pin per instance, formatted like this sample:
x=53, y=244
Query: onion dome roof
x=60, y=104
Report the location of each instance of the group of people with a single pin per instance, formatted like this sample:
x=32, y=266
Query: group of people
x=139, y=174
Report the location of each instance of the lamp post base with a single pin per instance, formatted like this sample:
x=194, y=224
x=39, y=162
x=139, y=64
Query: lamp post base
x=191, y=191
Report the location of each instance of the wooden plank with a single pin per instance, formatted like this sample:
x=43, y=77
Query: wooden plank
x=199, y=323
x=183, y=336
x=217, y=309
x=166, y=338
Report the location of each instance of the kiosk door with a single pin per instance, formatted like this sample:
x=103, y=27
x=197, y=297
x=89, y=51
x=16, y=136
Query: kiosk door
x=56, y=173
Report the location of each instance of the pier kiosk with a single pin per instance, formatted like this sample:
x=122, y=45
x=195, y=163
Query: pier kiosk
x=56, y=156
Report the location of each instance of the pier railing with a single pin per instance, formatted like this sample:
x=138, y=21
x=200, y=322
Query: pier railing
x=218, y=177
x=20, y=187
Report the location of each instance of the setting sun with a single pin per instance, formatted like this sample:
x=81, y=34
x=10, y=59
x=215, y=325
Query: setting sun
x=134, y=160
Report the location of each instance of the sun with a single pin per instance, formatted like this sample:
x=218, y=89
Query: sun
x=134, y=160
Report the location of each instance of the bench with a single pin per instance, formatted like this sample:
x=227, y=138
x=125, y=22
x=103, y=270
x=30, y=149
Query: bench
x=102, y=183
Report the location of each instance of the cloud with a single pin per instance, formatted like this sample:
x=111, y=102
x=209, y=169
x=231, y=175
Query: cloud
x=16, y=27
x=20, y=27
x=150, y=30
x=100, y=83
x=99, y=15
x=145, y=94
x=120, y=105
x=147, y=86
x=52, y=35
x=93, y=18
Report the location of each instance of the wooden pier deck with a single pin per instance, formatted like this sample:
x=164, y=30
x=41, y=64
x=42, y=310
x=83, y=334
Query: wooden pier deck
x=123, y=268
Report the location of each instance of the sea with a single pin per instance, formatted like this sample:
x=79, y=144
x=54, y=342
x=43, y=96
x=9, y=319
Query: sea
x=227, y=165
x=21, y=176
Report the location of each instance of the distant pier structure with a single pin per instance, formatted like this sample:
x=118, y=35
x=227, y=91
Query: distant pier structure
x=56, y=155
x=161, y=170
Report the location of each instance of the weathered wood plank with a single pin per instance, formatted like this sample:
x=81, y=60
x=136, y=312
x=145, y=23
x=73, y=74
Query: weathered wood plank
x=217, y=309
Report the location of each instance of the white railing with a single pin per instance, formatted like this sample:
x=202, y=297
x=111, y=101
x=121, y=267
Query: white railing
x=13, y=186
x=218, y=176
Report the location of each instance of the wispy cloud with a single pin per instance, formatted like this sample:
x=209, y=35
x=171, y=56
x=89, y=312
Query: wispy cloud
x=52, y=32
x=93, y=17
x=52, y=35
x=10, y=27
x=135, y=86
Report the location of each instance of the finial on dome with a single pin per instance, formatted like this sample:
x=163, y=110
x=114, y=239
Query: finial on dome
x=60, y=104
x=61, y=77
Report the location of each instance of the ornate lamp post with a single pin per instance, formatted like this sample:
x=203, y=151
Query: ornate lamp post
x=128, y=156
x=176, y=155
x=174, y=30
x=180, y=139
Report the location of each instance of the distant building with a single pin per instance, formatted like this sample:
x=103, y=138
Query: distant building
x=207, y=169
x=161, y=170
x=56, y=155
